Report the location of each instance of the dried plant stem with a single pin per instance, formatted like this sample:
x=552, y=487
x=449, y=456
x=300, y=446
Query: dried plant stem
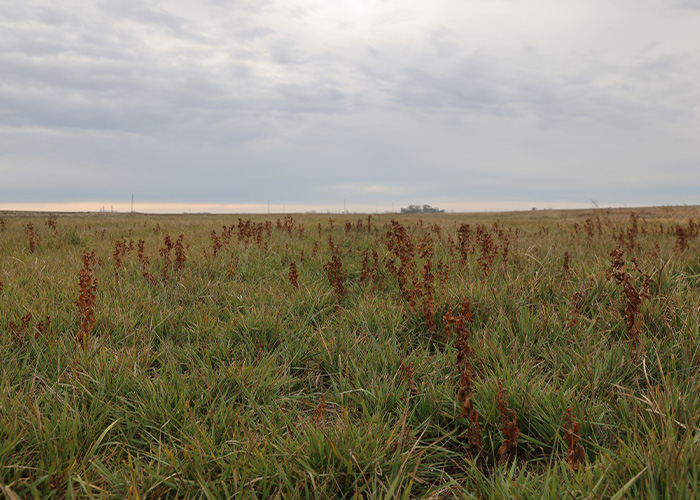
x=180, y=257
x=334, y=270
x=33, y=235
x=120, y=249
x=408, y=371
x=293, y=275
x=633, y=296
x=509, y=426
x=86, y=298
x=575, y=455
x=165, y=254
x=458, y=325
x=319, y=412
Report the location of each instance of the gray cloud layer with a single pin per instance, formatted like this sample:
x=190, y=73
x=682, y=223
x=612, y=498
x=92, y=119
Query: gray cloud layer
x=373, y=101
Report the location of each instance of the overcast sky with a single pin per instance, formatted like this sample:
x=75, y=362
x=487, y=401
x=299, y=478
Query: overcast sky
x=307, y=103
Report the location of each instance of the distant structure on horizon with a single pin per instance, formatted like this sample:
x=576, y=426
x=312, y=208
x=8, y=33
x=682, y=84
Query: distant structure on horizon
x=425, y=209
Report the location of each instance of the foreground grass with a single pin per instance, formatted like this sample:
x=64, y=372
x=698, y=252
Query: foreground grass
x=224, y=380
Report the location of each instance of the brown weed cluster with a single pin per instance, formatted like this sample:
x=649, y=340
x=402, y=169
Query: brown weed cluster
x=401, y=247
x=682, y=238
x=575, y=455
x=426, y=290
x=288, y=225
x=505, y=247
x=509, y=426
x=628, y=237
x=21, y=332
x=319, y=412
x=219, y=242
x=633, y=297
x=464, y=244
x=141, y=251
x=33, y=235
x=334, y=270
x=164, y=252
x=408, y=371
x=180, y=257
x=120, y=250
x=245, y=230
x=232, y=264
x=488, y=248
x=588, y=227
x=574, y=312
x=216, y=243
x=293, y=275
x=86, y=298
x=52, y=222
x=684, y=235
x=468, y=242
x=418, y=289
x=143, y=258
x=369, y=269
x=259, y=232
x=457, y=325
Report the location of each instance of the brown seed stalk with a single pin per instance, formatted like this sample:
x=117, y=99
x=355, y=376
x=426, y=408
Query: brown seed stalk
x=319, y=412
x=509, y=426
x=20, y=332
x=120, y=250
x=293, y=275
x=52, y=221
x=180, y=257
x=86, y=299
x=458, y=326
x=633, y=297
x=575, y=455
x=165, y=254
x=407, y=371
x=33, y=235
x=334, y=270
x=682, y=237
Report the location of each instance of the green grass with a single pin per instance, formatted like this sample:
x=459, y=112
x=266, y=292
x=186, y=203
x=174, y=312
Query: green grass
x=208, y=384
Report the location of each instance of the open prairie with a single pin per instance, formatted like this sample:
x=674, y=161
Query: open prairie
x=543, y=354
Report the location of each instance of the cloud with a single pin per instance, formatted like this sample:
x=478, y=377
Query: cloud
x=315, y=101
x=688, y=4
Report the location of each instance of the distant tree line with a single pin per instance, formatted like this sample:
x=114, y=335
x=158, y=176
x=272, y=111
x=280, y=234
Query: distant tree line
x=425, y=209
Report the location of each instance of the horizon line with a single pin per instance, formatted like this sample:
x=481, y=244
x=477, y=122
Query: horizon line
x=288, y=208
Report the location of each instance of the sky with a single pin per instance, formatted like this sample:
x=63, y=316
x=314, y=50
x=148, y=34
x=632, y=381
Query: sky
x=363, y=105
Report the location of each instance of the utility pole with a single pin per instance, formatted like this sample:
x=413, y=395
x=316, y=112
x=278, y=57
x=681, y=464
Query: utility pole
x=132, y=203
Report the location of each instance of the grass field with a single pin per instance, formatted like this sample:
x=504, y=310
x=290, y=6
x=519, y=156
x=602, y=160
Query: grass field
x=541, y=354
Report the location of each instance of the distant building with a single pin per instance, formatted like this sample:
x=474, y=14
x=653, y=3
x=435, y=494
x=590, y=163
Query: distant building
x=425, y=209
